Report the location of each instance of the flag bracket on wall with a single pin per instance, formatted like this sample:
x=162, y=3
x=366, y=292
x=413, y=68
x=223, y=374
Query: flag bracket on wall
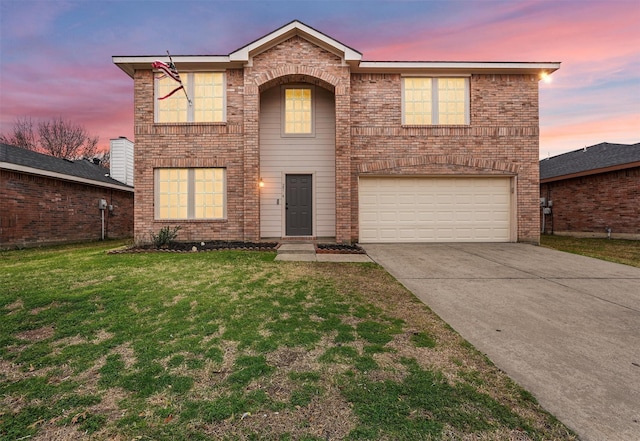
x=170, y=70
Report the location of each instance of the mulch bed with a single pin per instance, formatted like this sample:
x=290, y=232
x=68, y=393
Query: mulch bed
x=333, y=248
x=189, y=247
x=215, y=245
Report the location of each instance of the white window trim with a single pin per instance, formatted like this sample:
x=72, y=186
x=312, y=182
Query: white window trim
x=434, y=100
x=191, y=196
x=190, y=92
x=283, y=90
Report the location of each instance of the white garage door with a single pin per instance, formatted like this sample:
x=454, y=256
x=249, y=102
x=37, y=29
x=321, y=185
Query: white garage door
x=434, y=209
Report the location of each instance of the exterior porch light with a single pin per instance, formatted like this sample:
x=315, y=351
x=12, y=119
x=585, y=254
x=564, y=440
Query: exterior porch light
x=544, y=76
x=261, y=183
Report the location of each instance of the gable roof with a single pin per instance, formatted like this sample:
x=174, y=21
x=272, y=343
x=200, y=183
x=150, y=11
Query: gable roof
x=84, y=171
x=289, y=30
x=598, y=158
x=243, y=57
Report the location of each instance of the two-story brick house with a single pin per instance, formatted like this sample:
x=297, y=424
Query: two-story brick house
x=294, y=135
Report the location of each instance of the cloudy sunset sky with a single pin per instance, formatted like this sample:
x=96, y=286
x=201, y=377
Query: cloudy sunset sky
x=55, y=56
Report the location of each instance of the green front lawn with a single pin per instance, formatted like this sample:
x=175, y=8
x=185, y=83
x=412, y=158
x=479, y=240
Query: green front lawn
x=613, y=250
x=231, y=345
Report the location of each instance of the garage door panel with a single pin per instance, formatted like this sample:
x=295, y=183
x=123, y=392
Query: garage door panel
x=425, y=216
x=406, y=199
x=434, y=209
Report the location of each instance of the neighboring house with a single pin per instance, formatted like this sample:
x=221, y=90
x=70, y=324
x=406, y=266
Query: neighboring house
x=46, y=200
x=593, y=192
x=295, y=136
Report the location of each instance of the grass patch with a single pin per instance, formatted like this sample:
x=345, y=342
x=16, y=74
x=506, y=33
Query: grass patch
x=422, y=404
x=231, y=345
x=613, y=250
x=423, y=340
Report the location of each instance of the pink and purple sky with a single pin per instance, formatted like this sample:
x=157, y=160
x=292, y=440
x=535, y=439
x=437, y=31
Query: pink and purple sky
x=55, y=56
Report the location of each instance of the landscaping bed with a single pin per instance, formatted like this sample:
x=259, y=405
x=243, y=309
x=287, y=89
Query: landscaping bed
x=188, y=247
x=333, y=248
x=217, y=245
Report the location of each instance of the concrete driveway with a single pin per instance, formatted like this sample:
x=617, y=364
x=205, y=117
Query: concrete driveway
x=565, y=327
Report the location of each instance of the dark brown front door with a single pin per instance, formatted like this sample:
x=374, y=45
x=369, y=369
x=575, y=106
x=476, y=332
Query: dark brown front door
x=298, y=205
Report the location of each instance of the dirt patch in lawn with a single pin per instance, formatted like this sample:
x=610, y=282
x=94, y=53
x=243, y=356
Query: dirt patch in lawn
x=15, y=306
x=328, y=418
x=39, y=334
x=51, y=432
x=127, y=354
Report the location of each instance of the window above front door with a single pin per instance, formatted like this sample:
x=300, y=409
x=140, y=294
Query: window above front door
x=298, y=111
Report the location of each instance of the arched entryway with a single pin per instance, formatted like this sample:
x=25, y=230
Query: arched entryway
x=297, y=145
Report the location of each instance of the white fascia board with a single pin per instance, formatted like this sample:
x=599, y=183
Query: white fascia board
x=454, y=66
x=287, y=31
x=62, y=176
x=183, y=62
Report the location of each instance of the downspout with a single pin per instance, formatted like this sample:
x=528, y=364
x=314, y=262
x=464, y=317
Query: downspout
x=548, y=199
x=102, y=205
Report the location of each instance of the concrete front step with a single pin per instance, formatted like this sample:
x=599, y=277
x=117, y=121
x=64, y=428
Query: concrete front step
x=297, y=248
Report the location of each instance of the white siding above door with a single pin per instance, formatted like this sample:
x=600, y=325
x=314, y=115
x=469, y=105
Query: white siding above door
x=442, y=209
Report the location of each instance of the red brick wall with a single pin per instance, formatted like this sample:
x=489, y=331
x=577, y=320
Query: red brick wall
x=590, y=204
x=189, y=145
x=37, y=210
x=501, y=139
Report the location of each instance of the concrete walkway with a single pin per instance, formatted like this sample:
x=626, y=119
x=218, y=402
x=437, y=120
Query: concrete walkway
x=306, y=252
x=565, y=327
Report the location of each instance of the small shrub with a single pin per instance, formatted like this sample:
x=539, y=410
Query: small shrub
x=165, y=236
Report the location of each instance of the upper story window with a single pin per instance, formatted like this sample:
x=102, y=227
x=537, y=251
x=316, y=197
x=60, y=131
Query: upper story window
x=298, y=111
x=206, y=91
x=435, y=101
x=190, y=193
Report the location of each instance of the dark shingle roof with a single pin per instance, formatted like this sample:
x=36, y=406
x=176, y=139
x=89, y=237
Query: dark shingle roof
x=589, y=158
x=80, y=168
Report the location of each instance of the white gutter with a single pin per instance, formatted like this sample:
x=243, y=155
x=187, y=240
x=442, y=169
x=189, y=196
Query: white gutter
x=456, y=66
x=62, y=176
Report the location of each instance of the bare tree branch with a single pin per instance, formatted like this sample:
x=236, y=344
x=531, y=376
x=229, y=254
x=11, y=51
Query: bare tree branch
x=22, y=135
x=56, y=137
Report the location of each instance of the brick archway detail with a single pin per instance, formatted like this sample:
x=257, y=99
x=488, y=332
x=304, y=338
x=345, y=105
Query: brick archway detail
x=457, y=160
x=294, y=73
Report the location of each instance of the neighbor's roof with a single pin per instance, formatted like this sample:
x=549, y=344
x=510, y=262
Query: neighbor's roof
x=598, y=158
x=81, y=170
x=244, y=56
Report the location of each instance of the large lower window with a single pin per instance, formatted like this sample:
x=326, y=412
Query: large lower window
x=431, y=101
x=206, y=90
x=190, y=193
x=298, y=111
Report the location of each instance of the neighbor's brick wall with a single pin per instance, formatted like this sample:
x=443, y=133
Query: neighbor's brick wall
x=501, y=139
x=590, y=204
x=37, y=210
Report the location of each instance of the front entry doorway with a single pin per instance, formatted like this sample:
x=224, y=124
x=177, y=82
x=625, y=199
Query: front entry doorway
x=298, y=193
